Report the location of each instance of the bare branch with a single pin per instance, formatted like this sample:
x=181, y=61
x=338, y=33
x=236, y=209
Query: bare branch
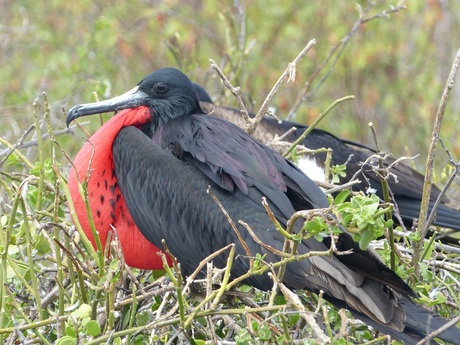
x=288, y=75
x=422, y=226
x=236, y=91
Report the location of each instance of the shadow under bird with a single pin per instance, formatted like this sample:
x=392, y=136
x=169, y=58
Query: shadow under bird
x=407, y=188
x=153, y=163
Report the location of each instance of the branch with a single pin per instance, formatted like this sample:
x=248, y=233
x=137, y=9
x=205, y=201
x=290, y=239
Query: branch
x=305, y=93
x=422, y=225
x=318, y=119
x=288, y=75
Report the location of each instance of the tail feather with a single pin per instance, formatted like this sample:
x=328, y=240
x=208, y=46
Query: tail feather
x=445, y=216
x=421, y=320
x=418, y=324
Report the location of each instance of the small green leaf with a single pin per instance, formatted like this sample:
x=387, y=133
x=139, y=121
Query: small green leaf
x=243, y=337
x=414, y=236
x=93, y=328
x=143, y=318
x=280, y=300
x=66, y=340
x=340, y=199
x=389, y=223
x=245, y=288
x=82, y=312
x=365, y=239
x=117, y=341
x=315, y=226
x=264, y=332
x=70, y=331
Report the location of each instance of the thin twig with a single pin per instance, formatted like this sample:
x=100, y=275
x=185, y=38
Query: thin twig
x=439, y=331
x=383, y=174
x=236, y=91
x=11, y=149
x=439, y=199
x=268, y=247
x=445, y=188
x=385, y=13
x=231, y=222
x=422, y=225
x=288, y=75
x=203, y=262
x=318, y=119
x=305, y=93
x=294, y=300
x=332, y=188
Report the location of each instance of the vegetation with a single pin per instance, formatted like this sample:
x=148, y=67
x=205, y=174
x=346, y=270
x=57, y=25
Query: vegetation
x=55, y=289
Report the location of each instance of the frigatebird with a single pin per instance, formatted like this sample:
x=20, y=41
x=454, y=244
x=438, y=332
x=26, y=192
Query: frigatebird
x=406, y=183
x=154, y=164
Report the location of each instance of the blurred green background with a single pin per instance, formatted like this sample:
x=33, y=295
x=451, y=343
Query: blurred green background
x=395, y=66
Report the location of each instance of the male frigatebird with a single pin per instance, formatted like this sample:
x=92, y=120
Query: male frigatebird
x=154, y=163
x=406, y=183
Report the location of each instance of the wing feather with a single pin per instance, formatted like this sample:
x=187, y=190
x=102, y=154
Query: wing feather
x=224, y=153
x=167, y=199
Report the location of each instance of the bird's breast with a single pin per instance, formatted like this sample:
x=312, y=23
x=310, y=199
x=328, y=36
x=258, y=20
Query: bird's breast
x=94, y=167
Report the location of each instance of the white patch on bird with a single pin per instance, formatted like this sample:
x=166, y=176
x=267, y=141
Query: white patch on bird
x=312, y=169
x=272, y=110
x=371, y=190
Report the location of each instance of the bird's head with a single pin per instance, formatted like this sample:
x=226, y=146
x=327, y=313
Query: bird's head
x=167, y=92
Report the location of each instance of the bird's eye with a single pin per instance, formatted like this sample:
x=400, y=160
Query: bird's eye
x=161, y=87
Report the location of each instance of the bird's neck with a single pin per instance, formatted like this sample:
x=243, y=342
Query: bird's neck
x=163, y=113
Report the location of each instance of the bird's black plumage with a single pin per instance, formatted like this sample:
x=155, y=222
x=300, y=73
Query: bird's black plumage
x=407, y=187
x=238, y=163
x=193, y=226
x=164, y=169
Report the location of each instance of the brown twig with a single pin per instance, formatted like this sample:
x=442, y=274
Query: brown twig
x=439, y=331
x=11, y=149
x=318, y=119
x=305, y=93
x=231, y=222
x=236, y=91
x=445, y=188
x=422, y=226
x=294, y=300
x=288, y=75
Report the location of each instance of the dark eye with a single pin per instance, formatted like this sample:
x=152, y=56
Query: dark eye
x=161, y=87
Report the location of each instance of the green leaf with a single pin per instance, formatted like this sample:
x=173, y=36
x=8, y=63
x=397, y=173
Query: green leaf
x=93, y=328
x=82, y=312
x=414, y=236
x=389, y=224
x=365, y=239
x=342, y=197
x=66, y=340
x=143, y=318
x=245, y=288
x=243, y=337
x=264, y=332
x=70, y=331
x=338, y=171
x=117, y=341
x=319, y=238
x=315, y=226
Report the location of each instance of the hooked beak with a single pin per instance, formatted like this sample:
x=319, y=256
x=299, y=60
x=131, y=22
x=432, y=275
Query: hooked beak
x=132, y=99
